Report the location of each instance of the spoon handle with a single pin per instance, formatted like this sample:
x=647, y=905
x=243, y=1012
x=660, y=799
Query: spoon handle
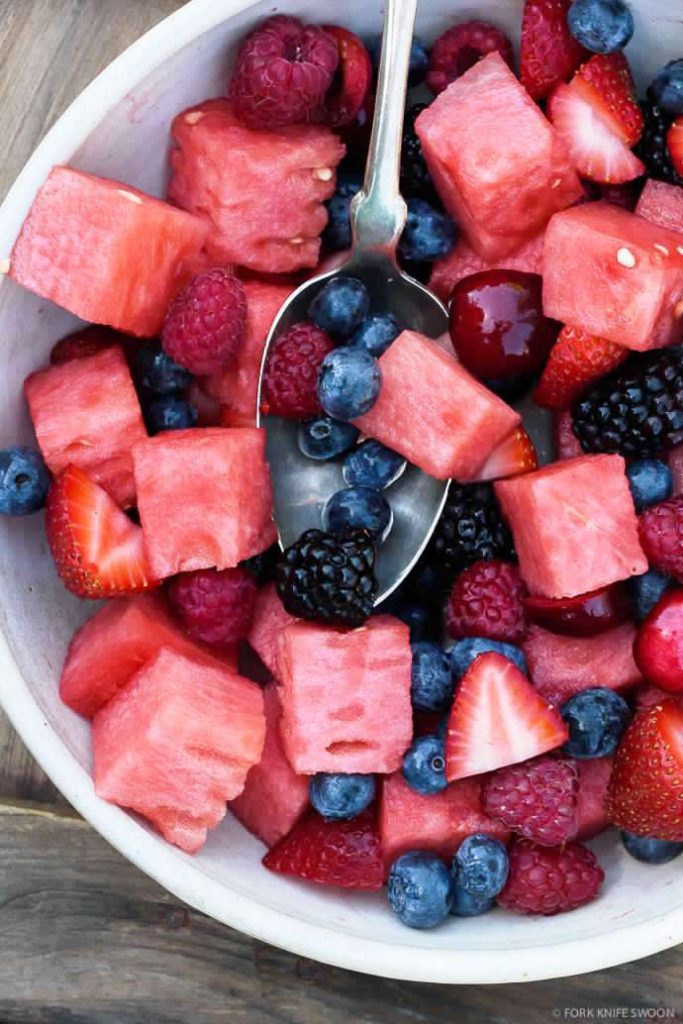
x=378, y=212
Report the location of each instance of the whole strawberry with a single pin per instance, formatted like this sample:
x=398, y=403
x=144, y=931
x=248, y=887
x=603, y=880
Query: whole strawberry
x=290, y=379
x=204, y=325
x=216, y=607
x=544, y=880
x=486, y=600
x=536, y=799
x=661, y=536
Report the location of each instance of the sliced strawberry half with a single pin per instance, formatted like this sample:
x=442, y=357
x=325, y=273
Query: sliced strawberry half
x=343, y=853
x=497, y=719
x=98, y=551
x=646, y=788
x=513, y=456
x=606, y=82
x=674, y=141
x=549, y=53
x=352, y=81
x=596, y=151
x=576, y=360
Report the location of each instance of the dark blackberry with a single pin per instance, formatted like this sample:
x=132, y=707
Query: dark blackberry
x=416, y=181
x=652, y=148
x=329, y=579
x=636, y=411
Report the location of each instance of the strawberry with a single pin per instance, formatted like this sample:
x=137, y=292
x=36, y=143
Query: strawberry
x=576, y=360
x=646, y=789
x=674, y=141
x=549, y=53
x=98, y=551
x=497, y=719
x=513, y=456
x=596, y=151
x=606, y=82
x=353, y=79
x=344, y=853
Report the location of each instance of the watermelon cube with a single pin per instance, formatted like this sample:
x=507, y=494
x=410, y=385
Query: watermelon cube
x=105, y=251
x=346, y=696
x=662, y=204
x=267, y=627
x=497, y=162
x=274, y=797
x=86, y=413
x=591, y=801
x=262, y=192
x=574, y=525
x=237, y=387
x=433, y=412
x=614, y=274
x=560, y=666
x=439, y=823
x=204, y=498
x=463, y=261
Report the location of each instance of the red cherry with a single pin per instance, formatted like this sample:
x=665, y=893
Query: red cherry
x=497, y=324
x=658, y=649
x=585, y=615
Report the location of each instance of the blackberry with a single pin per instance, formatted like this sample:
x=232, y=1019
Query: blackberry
x=416, y=181
x=652, y=148
x=636, y=411
x=329, y=579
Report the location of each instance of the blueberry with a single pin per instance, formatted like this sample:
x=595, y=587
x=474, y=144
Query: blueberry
x=419, y=59
x=649, y=850
x=169, y=413
x=463, y=653
x=466, y=905
x=666, y=89
x=432, y=678
x=24, y=481
x=376, y=333
x=420, y=889
x=156, y=372
x=428, y=234
x=647, y=590
x=325, y=438
x=596, y=720
x=337, y=234
x=481, y=866
x=339, y=797
x=340, y=305
x=373, y=465
x=349, y=383
x=358, y=508
x=424, y=765
x=422, y=621
x=650, y=480
x=602, y=26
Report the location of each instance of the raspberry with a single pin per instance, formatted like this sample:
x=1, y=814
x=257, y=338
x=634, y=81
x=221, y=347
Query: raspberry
x=205, y=323
x=215, y=607
x=291, y=376
x=661, y=536
x=486, y=600
x=536, y=799
x=86, y=342
x=459, y=49
x=282, y=73
x=550, y=881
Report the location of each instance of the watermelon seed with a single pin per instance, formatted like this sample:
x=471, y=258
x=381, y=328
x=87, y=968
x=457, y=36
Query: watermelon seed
x=626, y=258
x=194, y=117
x=323, y=173
x=661, y=248
x=296, y=241
x=130, y=196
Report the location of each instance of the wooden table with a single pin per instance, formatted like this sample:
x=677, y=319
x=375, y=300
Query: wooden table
x=84, y=937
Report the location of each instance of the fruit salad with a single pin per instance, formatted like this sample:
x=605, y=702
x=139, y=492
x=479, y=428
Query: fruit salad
x=460, y=744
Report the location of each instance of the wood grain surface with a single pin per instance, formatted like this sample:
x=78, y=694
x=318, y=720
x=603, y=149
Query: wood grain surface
x=85, y=938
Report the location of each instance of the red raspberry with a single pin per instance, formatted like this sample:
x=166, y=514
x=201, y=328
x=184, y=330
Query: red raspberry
x=550, y=881
x=215, y=607
x=459, y=49
x=536, y=799
x=291, y=376
x=283, y=71
x=661, y=536
x=86, y=342
x=486, y=600
x=204, y=325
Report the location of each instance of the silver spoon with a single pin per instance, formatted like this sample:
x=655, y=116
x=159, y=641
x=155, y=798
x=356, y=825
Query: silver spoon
x=378, y=214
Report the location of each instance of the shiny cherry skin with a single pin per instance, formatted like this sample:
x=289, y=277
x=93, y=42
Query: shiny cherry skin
x=497, y=325
x=585, y=615
x=658, y=649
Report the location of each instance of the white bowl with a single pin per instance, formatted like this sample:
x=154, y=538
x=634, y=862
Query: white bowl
x=119, y=128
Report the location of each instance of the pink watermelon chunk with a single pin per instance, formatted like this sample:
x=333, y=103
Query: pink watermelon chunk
x=177, y=743
x=591, y=809
x=439, y=823
x=114, y=644
x=204, y=497
x=463, y=261
x=346, y=696
x=662, y=204
x=560, y=666
x=574, y=525
x=614, y=274
x=86, y=413
x=497, y=162
x=433, y=412
x=262, y=192
x=237, y=387
x=105, y=251
x=268, y=626
x=274, y=797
